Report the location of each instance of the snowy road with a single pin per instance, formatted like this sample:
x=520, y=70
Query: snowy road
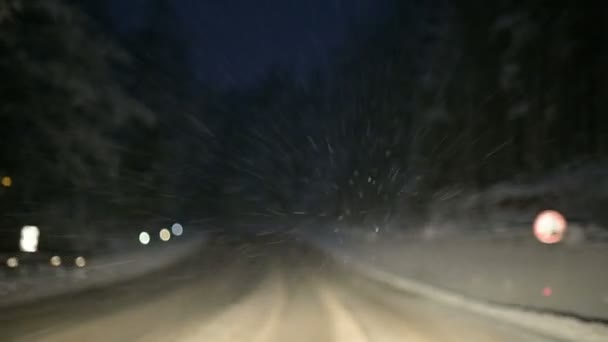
x=265, y=289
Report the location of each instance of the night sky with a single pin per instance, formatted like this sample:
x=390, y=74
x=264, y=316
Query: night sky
x=234, y=42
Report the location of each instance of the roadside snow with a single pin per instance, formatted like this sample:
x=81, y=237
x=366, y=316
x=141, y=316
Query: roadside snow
x=485, y=281
x=108, y=269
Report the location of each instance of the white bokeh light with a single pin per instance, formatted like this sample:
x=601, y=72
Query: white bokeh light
x=55, y=261
x=165, y=234
x=80, y=262
x=144, y=238
x=12, y=262
x=29, y=239
x=177, y=229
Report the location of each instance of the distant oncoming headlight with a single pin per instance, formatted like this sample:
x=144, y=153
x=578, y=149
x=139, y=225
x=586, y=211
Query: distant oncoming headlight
x=144, y=238
x=29, y=239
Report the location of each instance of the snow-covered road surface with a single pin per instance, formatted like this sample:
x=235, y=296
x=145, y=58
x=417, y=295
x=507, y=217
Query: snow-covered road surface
x=248, y=289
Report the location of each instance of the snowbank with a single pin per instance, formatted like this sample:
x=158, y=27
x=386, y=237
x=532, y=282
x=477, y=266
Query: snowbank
x=580, y=193
x=502, y=279
x=99, y=271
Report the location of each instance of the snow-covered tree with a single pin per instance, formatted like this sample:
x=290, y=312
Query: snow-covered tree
x=61, y=104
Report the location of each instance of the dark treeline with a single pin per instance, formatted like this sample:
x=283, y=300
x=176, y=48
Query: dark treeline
x=438, y=94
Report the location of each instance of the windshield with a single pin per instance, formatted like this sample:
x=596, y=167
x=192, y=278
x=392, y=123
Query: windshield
x=365, y=170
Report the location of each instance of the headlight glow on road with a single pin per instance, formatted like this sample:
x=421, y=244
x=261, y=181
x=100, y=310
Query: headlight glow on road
x=165, y=234
x=29, y=239
x=144, y=238
x=80, y=262
x=12, y=262
x=177, y=229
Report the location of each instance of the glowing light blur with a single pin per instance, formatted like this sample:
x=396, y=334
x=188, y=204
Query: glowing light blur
x=165, y=234
x=12, y=262
x=80, y=262
x=144, y=238
x=55, y=261
x=547, y=291
x=29, y=239
x=550, y=227
x=7, y=181
x=177, y=229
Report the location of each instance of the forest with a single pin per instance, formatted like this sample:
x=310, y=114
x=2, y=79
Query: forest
x=100, y=130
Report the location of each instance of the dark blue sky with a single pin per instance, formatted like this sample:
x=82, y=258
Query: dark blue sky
x=233, y=42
